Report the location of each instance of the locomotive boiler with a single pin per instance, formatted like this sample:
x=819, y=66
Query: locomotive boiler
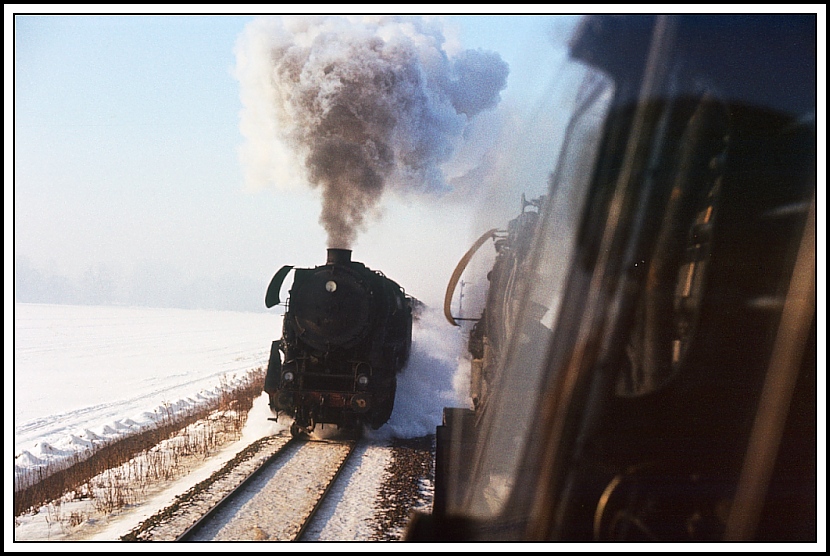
x=347, y=333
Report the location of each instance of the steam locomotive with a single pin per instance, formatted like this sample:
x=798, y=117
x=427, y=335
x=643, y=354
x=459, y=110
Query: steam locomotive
x=347, y=333
x=491, y=331
x=645, y=368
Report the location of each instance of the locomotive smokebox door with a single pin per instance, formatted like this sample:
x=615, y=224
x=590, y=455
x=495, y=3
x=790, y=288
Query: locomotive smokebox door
x=332, y=305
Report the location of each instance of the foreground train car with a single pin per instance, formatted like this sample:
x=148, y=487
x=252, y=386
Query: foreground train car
x=651, y=373
x=347, y=333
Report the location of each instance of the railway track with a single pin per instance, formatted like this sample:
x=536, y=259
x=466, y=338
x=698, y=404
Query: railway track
x=298, y=475
x=369, y=498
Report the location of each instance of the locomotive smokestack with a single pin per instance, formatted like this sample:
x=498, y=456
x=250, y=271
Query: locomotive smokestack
x=339, y=256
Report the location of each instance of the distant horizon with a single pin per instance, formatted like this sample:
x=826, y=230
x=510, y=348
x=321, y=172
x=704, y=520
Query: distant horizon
x=149, y=286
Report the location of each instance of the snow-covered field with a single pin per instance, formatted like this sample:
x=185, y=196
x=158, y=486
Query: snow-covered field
x=84, y=374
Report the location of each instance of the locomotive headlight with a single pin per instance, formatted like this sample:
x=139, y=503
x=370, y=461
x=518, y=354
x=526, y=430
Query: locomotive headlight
x=288, y=376
x=362, y=380
x=331, y=285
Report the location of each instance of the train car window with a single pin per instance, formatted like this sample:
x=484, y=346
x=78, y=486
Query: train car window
x=538, y=290
x=656, y=372
x=653, y=424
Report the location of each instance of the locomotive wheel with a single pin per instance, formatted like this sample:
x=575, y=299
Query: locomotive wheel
x=299, y=432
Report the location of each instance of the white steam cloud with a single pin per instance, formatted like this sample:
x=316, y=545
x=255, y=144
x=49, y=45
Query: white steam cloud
x=356, y=105
x=435, y=377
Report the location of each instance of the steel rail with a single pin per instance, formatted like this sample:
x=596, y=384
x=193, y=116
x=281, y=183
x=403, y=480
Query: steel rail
x=189, y=532
x=352, y=444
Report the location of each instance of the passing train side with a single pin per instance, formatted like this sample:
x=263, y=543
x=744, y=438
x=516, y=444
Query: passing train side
x=645, y=368
x=347, y=333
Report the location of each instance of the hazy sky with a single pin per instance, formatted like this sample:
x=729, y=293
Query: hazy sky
x=134, y=138
x=128, y=183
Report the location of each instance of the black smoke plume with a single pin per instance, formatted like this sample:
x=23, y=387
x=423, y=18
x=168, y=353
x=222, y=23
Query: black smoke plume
x=360, y=105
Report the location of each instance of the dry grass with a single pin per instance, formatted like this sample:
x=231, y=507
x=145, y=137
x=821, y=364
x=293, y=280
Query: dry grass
x=114, y=474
